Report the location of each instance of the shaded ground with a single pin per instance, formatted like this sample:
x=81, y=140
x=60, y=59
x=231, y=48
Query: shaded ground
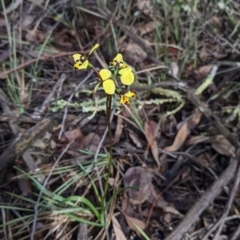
x=174, y=173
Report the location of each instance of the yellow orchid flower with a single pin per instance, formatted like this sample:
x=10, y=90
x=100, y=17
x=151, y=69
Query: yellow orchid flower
x=125, y=99
x=126, y=76
x=108, y=84
x=81, y=62
x=125, y=72
x=118, y=61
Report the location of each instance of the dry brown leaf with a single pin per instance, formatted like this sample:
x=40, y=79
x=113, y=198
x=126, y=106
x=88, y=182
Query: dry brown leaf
x=146, y=7
x=174, y=69
x=203, y=71
x=196, y=139
x=27, y=22
x=39, y=143
x=53, y=144
x=64, y=37
x=47, y=136
x=119, y=129
x=150, y=128
x=125, y=202
x=158, y=201
x=184, y=131
x=73, y=134
x=132, y=222
x=134, y=52
x=173, y=210
x=223, y=146
x=205, y=160
x=35, y=36
x=91, y=141
x=39, y=235
x=140, y=181
x=24, y=185
x=135, y=139
x=146, y=28
x=167, y=218
x=117, y=229
x=217, y=20
x=204, y=54
x=211, y=50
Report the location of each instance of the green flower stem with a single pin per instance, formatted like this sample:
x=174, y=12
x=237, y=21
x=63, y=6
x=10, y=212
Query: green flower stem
x=108, y=108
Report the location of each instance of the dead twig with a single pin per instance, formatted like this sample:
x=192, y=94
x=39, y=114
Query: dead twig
x=221, y=220
x=204, y=201
x=229, y=203
x=38, y=111
x=69, y=100
x=236, y=234
x=194, y=99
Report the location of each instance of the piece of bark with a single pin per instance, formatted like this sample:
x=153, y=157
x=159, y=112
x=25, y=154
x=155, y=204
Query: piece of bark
x=22, y=142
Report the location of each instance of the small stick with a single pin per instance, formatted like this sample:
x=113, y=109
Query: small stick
x=81, y=83
x=204, y=201
x=40, y=110
x=229, y=203
x=236, y=234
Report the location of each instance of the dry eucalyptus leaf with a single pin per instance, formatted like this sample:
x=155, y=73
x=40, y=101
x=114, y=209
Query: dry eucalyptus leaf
x=146, y=28
x=133, y=222
x=135, y=139
x=204, y=55
x=28, y=20
x=64, y=37
x=184, y=131
x=73, y=134
x=205, y=160
x=53, y=144
x=174, y=69
x=196, y=139
x=173, y=210
x=159, y=202
x=40, y=144
x=134, y=52
x=24, y=185
x=140, y=181
x=39, y=235
x=167, y=218
x=146, y=7
x=223, y=146
x=150, y=128
x=117, y=229
x=203, y=71
x=91, y=141
x=47, y=136
x=35, y=36
x=118, y=131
